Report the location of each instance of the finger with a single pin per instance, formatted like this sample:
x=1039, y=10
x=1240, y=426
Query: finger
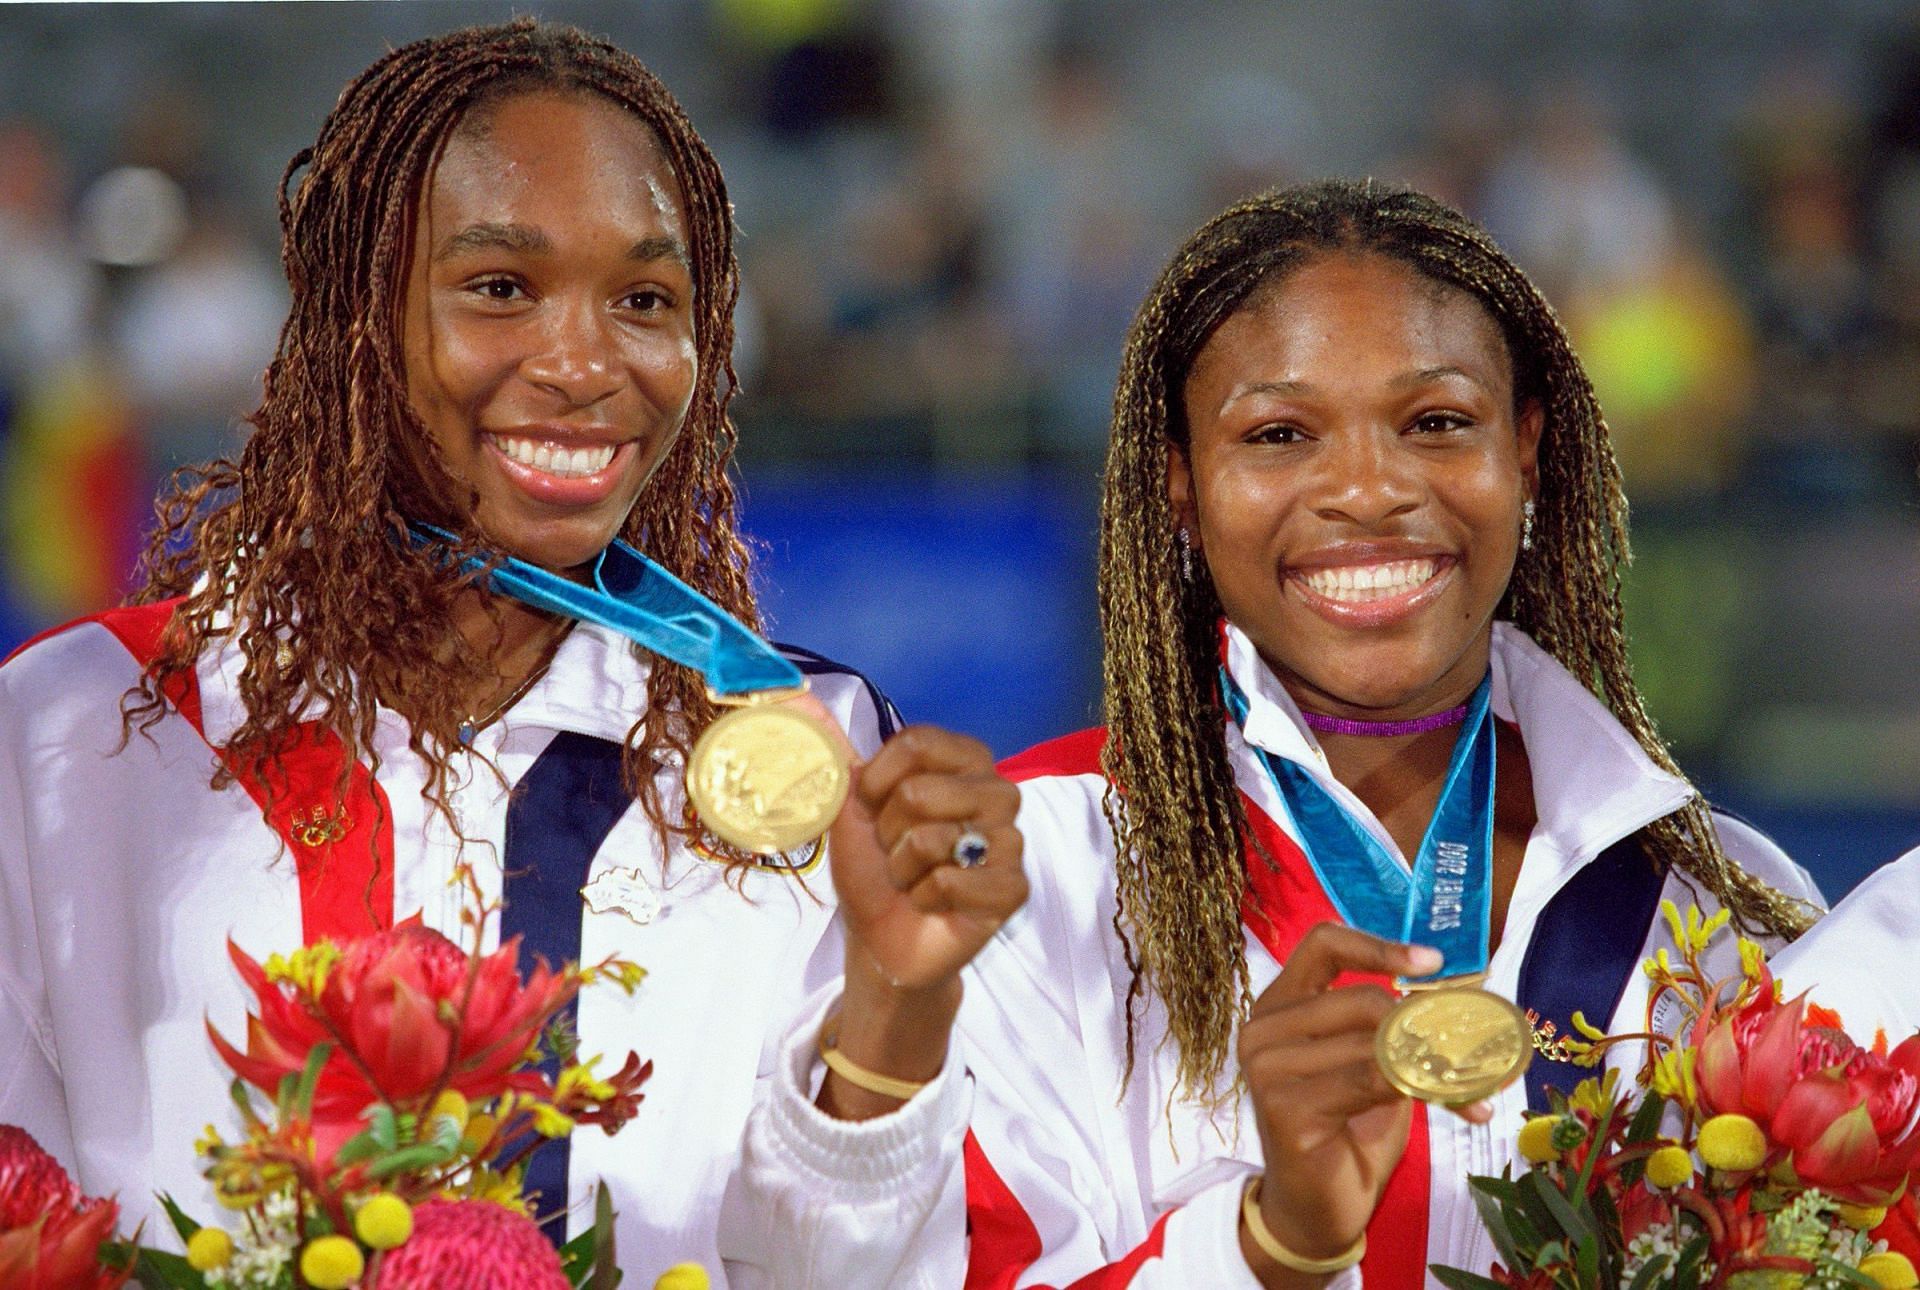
x=1328, y=949
x=928, y=848
x=921, y=748
x=1300, y=1112
x=1350, y=1008
x=981, y=798
x=1474, y=1112
x=991, y=896
x=1282, y=1063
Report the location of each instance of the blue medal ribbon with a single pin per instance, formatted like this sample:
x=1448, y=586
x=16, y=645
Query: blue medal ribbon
x=1447, y=900
x=634, y=596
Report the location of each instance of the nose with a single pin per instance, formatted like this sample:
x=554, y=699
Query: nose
x=577, y=358
x=1366, y=476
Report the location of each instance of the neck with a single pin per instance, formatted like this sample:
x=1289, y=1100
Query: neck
x=514, y=638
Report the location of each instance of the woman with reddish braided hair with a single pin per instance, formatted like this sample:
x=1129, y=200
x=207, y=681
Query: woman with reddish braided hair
x=1369, y=722
x=458, y=613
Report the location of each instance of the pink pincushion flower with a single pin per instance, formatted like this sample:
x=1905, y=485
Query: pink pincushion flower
x=1843, y=1117
x=50, y=1234
x=397, y=1007
x=470, y=1245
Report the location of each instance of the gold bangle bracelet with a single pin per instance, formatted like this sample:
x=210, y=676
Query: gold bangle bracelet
x=1270, y=1244
x=859, y=1076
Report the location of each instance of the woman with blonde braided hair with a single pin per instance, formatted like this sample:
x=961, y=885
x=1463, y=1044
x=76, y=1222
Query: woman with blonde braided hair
x=1369, y=717
x=422, y=622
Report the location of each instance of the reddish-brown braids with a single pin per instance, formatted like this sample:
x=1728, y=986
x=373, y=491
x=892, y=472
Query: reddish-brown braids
x=297, y=549
x=1178, y=822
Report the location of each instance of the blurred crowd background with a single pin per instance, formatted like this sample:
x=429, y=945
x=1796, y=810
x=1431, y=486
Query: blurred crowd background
x=949, y=210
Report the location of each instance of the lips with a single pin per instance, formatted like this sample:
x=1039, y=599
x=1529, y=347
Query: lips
x=559, y=466
x=1370, y=588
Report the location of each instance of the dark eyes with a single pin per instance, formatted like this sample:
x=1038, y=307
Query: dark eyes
x=1440, y=422
x=1427, y=423
x=505, y=290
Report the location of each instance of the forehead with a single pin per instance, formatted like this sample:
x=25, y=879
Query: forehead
x=1358, y=314
x=558, y=161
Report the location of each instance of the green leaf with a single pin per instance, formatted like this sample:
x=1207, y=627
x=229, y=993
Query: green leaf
x=158, y=1270
x=606, y=1272
x=1456, y=1279
x=182, y=1224
x=383, y=1126
x=1566, y=1217
x=1645, y=1125
x=1494, y=1219
x=1586, y=1260
x=302, y=1100
x=1649, y=1274
x=424, y=1155
x=361, y=1146
x=576, y=1259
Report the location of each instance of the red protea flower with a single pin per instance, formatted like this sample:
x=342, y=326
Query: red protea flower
x=1841, y=1116
x=50, y=1234
x=409, y=1013
x=470, y=1245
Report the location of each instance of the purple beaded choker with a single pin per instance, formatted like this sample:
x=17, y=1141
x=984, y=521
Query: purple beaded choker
x=1384, y=729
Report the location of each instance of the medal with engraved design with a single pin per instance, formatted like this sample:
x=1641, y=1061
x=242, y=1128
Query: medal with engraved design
x=766, y=778
x=1453, y=1043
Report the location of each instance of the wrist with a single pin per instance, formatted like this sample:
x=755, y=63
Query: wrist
x=897, y=1034
x=1281, y=1257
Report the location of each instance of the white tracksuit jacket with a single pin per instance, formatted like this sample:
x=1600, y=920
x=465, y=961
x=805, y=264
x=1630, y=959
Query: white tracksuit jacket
x=1856, y=959
x=122, y=874
x=1026, y=1164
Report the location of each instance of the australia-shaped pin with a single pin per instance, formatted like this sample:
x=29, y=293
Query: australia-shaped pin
x=622, y=891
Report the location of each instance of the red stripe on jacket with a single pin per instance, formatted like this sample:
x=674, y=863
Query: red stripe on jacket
x=342, y=847
x=1283, y=900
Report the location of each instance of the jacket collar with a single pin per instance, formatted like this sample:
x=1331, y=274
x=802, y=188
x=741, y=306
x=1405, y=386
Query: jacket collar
x=1592, y=782
x=596, y=686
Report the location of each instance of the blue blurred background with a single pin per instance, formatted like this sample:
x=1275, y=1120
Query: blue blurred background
x=950, y=208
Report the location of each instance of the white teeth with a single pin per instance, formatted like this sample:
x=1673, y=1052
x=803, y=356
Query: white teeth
x=556, y=459
x=1357, y=584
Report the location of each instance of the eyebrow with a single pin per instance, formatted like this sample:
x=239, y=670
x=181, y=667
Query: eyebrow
x=1407, y=380
x=527, y=240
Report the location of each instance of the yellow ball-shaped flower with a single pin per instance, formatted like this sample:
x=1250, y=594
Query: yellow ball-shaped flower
x=1536, y=1139
x=331, y=1263
x=451, y=1103
x=209, y=1248
x=1733, y=1142
x=683, y=1276
x=1669, y=1166
x=1890, y=1271
x=383, y=1221
x=1862, y=1217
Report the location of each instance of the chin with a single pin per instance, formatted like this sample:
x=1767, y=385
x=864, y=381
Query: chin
x=557, y=548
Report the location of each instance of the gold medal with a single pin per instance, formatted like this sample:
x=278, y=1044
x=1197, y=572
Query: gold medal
x=1453, y=1044
x=766, y=778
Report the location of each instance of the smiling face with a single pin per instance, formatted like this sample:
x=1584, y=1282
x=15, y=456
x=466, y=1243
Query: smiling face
x=1354, y=478
x=549, y=334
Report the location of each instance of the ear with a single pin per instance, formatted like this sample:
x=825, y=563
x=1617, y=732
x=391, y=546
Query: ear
x=1186, y=514
x=1526, y=433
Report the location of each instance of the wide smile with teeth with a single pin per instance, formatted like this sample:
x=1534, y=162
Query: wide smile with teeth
x=1356, y=584
x=555, y=459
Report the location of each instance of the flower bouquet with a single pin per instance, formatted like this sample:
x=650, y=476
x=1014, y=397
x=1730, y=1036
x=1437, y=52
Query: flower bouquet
x=1762, y=1152
x=390, y=1092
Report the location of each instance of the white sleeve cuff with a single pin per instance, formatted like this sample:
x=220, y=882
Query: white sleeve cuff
x=861, y=1159
x=1206, y=1233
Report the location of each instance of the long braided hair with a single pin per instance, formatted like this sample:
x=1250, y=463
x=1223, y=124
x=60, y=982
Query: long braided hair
x=297, y=549
x=1171, y=801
